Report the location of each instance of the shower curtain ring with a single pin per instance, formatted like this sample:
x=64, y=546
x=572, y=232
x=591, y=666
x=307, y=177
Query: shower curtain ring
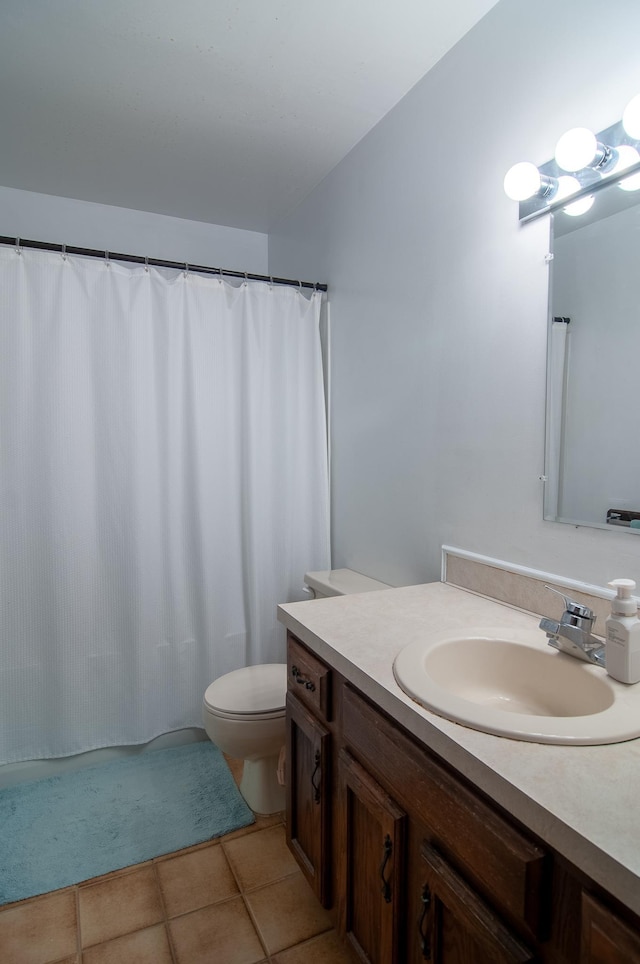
x=18, y=248
x=186, y=270
x=246, y=278
x=64, y=252
x=106, y=259
x=146, y=264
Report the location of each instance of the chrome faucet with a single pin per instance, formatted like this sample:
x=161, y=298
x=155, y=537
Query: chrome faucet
x=572, y=635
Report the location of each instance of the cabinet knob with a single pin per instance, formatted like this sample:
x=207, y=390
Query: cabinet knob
x=302, y=680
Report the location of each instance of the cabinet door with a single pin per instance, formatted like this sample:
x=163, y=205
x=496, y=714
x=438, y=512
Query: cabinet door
x=454, y=926
x=371, y=866
x=308, y=790
x=605, y=938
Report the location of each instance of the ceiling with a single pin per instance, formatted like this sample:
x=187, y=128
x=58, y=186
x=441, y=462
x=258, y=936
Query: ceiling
x=212, y=110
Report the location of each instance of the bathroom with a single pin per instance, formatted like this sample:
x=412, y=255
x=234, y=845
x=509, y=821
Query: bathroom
x=437, y=388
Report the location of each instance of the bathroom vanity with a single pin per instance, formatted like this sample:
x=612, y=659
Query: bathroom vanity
x=430, y=841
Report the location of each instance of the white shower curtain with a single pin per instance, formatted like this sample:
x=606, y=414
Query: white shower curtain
x=163, y=485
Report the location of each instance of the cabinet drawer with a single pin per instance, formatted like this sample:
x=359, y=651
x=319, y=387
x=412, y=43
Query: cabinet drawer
x=308, y=678
x=504, y=865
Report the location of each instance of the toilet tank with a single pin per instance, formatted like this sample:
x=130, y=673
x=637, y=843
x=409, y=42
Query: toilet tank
x=340, y=582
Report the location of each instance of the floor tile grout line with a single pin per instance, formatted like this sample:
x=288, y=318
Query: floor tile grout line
x=230, y=862
x=249, y=891
x=108, y=878
x=165, y=917
x=78, y=925
x=172, y=948
x=23, y=901
x=163, y=904
x=246, y=906
x=263, y=943
x=226, y=900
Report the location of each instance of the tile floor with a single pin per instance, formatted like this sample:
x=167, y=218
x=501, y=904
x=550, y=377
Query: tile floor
x=240, y=899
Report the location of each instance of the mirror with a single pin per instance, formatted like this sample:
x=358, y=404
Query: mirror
x=592, y=464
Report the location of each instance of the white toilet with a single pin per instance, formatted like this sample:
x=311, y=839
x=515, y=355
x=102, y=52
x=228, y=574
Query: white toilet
x=243, y=712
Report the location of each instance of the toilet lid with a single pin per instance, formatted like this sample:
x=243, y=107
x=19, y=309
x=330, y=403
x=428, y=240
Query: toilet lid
x=250, y=691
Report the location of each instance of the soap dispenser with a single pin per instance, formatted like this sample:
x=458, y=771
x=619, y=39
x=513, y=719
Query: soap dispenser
x=622, y=652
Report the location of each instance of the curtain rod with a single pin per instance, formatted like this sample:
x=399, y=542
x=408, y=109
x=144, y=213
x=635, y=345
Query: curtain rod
x=157, y=262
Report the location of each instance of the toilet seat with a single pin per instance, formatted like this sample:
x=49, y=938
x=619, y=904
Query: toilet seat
x=250, y=693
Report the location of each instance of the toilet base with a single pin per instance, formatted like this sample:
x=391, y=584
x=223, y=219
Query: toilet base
x=259, y=785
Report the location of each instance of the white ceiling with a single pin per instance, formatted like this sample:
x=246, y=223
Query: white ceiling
x=213, y=110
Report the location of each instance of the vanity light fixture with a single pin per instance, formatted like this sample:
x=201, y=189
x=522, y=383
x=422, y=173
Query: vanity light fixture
x=583, y=164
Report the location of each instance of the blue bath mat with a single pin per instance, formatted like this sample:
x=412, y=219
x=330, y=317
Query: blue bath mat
x=69, y=828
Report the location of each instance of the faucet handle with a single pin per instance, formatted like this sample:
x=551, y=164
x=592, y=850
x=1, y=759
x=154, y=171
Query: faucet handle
x=572, y=607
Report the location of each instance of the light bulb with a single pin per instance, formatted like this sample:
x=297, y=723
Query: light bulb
x=627, y=156
x=631, y=118
x=566, y=185
x=579, y=207
x=576, y=149
x=631, y=183
x=522, y=181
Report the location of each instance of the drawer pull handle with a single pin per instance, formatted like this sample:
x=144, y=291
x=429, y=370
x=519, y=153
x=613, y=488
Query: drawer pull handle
x=386, y=886
x=302, y=680
x=425, y=938
x=316, y=786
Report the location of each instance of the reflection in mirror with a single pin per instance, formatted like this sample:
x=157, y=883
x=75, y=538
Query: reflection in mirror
x=593, y=371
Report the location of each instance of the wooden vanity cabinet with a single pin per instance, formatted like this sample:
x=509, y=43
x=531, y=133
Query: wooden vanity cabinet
x=414, y=863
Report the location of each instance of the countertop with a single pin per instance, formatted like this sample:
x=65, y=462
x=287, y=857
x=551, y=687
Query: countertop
x=584, y=801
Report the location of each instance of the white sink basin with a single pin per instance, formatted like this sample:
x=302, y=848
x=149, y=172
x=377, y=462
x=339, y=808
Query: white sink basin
x=514, y=685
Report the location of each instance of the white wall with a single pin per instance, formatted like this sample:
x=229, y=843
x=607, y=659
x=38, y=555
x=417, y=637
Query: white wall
x=439, y=298
x=59, y=220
